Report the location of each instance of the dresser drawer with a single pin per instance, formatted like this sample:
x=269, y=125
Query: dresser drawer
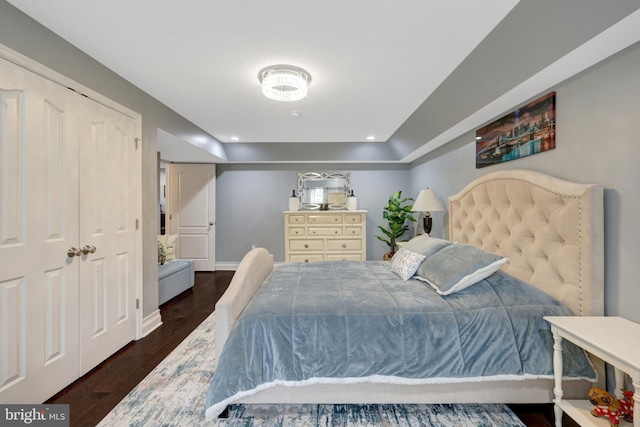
x=345, y=257
x=344, y=245
x=325, y=231
x=306, y=245
x=296, y=231
x=296, y=219
x=325, y=219
x=353, y=219
x=306, y=258
x=353, y=231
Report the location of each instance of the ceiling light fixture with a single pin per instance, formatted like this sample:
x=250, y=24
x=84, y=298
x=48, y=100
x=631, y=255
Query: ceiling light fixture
x=284, y=82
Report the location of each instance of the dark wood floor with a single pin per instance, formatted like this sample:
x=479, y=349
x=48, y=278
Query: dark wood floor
x=95, y=394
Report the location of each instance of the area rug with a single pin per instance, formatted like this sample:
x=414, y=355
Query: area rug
x=173, y=394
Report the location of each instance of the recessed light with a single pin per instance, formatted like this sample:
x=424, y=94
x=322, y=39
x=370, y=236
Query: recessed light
x=235, y=138
x=371, y=138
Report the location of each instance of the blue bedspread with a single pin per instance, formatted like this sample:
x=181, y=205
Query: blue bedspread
x=342, y=322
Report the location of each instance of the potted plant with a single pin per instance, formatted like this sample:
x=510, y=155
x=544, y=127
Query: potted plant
x=397, y=212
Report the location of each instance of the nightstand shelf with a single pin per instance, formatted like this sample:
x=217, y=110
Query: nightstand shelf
x=579, y=411
x=614, y=340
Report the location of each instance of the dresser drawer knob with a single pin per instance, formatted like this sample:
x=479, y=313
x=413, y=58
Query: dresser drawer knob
x=336, y=232
x=306, y=260
x=306, y=245
x=344, y=245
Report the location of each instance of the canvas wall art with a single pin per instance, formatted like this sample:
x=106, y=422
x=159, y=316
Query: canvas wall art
x=528, y=130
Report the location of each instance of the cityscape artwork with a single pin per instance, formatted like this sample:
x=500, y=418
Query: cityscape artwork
x=528, y=130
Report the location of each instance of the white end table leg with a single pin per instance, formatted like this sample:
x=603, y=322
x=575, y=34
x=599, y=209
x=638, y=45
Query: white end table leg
x=636, y=403
x=557, y=375
x=619, y=385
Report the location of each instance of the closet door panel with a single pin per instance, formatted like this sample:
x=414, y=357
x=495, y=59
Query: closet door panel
x=38, y=217
x=107, y=211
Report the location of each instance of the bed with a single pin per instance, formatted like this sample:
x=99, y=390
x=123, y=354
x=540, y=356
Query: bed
x=549, y=230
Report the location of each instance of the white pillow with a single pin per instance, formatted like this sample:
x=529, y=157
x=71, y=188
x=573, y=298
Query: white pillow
x=170, y=247
x=162, y=240
x=405, y=263
x=458, y=266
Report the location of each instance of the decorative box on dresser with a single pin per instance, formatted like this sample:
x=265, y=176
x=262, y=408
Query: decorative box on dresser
x=312, y=236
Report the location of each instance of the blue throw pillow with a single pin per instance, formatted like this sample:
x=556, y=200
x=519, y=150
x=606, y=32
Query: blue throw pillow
x=426, y=245
x=458, y=266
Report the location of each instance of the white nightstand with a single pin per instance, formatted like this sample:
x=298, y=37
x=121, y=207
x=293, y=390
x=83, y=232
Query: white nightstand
x=614, y=340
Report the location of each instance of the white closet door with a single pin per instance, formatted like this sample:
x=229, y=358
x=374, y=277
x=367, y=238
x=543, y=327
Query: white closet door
x=107, y=223
x=192, y=212
x=68, y=184
x=38, y=224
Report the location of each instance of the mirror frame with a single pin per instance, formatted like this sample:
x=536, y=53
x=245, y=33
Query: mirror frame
x=332, y=184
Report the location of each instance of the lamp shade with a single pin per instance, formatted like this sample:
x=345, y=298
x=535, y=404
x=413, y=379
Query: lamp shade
x=427, y=201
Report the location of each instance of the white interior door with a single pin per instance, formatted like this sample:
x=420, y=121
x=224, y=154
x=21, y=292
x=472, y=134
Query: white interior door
x=107, y=223
x=38, y=224
x=66, y=168
x=192, y=210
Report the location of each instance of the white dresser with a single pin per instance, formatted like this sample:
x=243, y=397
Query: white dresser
x=312, y=236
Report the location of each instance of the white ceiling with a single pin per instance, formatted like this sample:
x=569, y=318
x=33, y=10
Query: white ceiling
x=412, y=73
x=372, y=63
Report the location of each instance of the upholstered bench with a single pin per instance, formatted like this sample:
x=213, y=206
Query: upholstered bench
x=174, y=278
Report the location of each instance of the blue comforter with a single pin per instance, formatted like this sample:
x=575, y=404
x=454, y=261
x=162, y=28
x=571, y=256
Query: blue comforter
x=342, y=322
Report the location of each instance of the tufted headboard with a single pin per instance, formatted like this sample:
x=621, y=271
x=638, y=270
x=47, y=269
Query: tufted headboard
x=550, y=229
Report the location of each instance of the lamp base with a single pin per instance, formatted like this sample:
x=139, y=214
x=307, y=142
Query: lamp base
x=427, y=223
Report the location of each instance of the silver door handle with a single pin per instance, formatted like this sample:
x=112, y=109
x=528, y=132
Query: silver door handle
x=88, y=249
x=210, y=223
x=71, y=252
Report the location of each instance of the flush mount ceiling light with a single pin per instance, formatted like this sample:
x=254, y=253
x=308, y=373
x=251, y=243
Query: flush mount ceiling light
x=284, y=82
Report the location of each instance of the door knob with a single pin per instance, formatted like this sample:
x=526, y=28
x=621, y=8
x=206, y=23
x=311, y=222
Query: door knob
x=87, y=249
x=71, y=252
x=210, y=223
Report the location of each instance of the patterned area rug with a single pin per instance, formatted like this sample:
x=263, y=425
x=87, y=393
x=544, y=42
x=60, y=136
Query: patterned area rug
x=173, y=394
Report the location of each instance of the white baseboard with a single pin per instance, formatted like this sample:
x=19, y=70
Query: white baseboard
x=151, y=323
x=227, y=266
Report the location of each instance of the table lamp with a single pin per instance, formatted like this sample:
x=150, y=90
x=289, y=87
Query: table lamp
x=427, y=202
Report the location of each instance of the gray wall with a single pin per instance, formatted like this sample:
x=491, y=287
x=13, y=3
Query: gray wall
x=26, y=36
x=250, y=199
x=598, y=115
x=598, y=141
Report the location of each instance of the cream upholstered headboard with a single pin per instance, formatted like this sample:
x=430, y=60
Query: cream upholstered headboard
x=550, y=229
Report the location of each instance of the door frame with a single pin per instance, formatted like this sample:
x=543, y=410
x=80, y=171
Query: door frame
x=49, y=74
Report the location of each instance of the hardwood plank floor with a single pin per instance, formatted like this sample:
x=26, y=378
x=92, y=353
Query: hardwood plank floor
x=95, y=394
